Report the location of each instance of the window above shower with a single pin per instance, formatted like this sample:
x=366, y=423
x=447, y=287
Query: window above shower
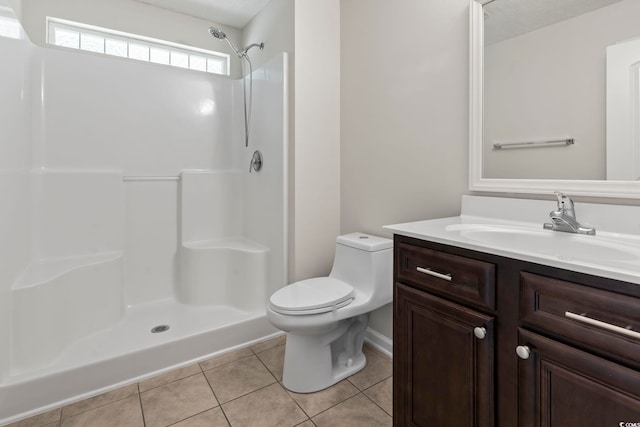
x=74, y=35
x=9, y=25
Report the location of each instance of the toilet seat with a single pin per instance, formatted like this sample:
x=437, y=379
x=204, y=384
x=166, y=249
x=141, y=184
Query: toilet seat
x=312, y=296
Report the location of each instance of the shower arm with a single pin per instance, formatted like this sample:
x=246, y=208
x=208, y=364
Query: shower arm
x=243, y=54
x=246, y=49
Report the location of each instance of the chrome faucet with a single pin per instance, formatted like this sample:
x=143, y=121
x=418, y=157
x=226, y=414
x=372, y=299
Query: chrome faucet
x=564, y=218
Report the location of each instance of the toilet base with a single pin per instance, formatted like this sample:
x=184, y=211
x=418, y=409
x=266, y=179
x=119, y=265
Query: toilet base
x=315, y=362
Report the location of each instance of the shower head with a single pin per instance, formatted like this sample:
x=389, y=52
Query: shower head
x=220, y=35
x=217, y=33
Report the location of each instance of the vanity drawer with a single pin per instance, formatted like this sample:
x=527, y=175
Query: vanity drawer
x=464, y=278
x=604, y=322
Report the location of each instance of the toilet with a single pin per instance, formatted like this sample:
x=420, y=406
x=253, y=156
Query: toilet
x=326, y=318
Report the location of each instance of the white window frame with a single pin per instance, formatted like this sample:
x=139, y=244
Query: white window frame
x=215, y=62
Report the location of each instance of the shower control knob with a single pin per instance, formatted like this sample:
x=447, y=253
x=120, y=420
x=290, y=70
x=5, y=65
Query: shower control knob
x=523, y=352
x=256, y=161
x=480, y=333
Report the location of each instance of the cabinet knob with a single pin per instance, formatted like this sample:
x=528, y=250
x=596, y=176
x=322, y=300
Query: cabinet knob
x=523, y=352
x=480, y=333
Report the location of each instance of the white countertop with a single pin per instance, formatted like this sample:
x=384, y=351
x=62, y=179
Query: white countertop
x=611, y=254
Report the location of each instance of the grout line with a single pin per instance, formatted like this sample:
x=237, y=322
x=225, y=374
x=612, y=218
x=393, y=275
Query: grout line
x=339, y=403
x=308, y=419
x=266, y=349
x=358, y=391
x=376, y=403
x=170, y=382
x=267, y=368
x=224, y=414
x=194, y=415
x=99, y=406
x=350, y=382
x=375, y=384
x=295, y=401
x=224, y=364
x=246, y=394
x=212, y=392
x=269, y=349
x=144, y=422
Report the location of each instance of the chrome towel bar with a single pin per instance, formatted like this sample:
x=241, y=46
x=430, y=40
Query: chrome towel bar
x=528, y=144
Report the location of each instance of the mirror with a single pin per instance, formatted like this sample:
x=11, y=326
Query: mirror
x=555, y=97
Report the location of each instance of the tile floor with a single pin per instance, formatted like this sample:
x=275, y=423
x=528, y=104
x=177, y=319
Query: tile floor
x=241, y=388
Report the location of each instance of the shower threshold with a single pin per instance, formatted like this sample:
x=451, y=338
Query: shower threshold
x=128, y=352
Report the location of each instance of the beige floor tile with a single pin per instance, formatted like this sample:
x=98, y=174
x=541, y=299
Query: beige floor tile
x=379, y=367
x=99, y=400
x=314, y=403
x=382, y=394
x=123, y=413
x=266, y=345
x=226, y=358
x=39, y=420
x=176, y=401
x=211, y=418
x=355, y=412
x=270, y=406
x=169, y=377
x=238, y=378
x=273, y=360
x=307, y=423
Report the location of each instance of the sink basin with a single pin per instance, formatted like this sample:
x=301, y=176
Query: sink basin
x=563, y=246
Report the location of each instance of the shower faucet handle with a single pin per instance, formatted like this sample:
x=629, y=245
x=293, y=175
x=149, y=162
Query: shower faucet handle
x=256, y=161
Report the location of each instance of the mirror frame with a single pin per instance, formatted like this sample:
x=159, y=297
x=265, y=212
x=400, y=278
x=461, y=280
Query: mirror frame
x=589, y=188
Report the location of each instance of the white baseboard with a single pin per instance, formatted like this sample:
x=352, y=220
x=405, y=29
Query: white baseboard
x=380, y=342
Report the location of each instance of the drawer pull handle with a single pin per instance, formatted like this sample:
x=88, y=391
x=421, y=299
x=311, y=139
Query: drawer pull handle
x=604, y=325
x=430, y=272
x=523, y=352
x=480, y=333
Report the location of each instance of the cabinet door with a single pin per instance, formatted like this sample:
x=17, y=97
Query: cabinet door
x=443, y=373
x=560, y=386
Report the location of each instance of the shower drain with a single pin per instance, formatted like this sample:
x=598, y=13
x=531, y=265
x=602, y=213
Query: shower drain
x=159, y=328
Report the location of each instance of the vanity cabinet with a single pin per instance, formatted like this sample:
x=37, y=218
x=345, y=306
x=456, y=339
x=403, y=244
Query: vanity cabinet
x=483, y=340
x=437, y=348
x=562, y=386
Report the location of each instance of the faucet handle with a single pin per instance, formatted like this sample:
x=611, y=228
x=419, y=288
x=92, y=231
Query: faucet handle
x=565, y=204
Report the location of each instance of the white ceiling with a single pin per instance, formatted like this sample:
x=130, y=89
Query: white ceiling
x=234, y=13
x=505, y=19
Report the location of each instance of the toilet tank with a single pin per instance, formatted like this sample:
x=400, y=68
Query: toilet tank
x=366, y=263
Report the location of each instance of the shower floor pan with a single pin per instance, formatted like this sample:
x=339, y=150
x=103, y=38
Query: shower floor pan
x=128, y=351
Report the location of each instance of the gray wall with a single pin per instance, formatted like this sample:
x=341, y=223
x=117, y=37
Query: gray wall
x=404, y=120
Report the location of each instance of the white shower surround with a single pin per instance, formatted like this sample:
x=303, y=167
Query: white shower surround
x=93, y=256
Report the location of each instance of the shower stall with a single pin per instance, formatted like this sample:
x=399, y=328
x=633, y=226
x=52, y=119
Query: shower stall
x=134, y=236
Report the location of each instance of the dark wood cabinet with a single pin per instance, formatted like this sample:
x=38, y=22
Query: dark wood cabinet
x=447, y=369
x=582, y=369
x=565, y=387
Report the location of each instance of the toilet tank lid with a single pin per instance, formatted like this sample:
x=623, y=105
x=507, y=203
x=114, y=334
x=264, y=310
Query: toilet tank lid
x=365, y=242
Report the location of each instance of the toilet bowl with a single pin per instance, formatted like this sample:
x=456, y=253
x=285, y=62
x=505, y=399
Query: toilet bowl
x=326, y=318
